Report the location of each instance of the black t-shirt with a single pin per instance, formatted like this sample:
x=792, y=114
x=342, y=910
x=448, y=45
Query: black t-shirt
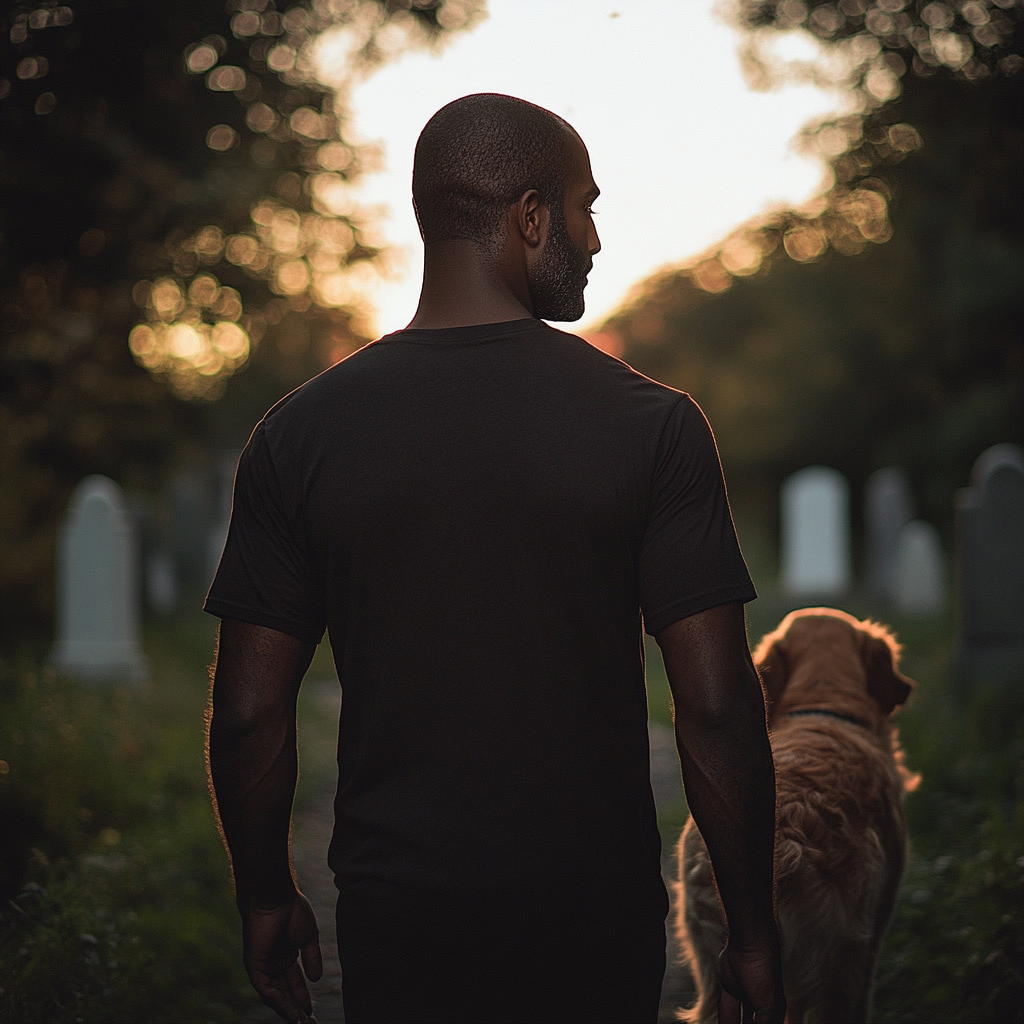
x=479, y=516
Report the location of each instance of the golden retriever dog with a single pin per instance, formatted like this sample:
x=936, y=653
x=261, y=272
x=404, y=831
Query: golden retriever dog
x=831, y=684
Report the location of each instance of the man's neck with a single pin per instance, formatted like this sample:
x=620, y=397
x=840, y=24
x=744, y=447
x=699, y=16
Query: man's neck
x=463, y=288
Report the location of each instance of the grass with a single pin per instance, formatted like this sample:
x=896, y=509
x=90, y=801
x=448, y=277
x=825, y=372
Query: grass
x=117, y=903
x=956, y=947
x=115, y=895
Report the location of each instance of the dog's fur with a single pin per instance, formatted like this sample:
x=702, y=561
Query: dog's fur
x=841, y=836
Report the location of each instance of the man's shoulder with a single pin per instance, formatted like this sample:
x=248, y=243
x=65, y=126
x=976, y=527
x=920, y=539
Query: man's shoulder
x=359, y=385
x=638, y=391
x=326, y=386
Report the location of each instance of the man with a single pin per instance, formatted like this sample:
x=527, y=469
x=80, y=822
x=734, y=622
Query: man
x=479, y=509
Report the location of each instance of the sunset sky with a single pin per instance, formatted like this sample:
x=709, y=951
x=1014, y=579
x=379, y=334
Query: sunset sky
x=681, y=147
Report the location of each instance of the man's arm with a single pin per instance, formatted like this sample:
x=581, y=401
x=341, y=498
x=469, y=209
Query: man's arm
x=729, y=778
x=253, y=765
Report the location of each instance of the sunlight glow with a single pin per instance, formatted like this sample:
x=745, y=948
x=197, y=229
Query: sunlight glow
x=682, y=148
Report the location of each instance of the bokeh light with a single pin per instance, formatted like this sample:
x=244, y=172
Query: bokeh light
x=305, y=243
x=192, y=337
x=226, y=79
x=200, y=58
x=221, y=138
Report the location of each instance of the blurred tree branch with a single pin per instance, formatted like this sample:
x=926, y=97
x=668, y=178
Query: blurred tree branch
x=179, y=167
x=882, y=321
x=867, y=48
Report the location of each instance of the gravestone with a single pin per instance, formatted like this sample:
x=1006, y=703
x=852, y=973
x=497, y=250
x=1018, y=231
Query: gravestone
x=918, y=581
x=97, y=587
x=161, y=582
x=190, y=524
x=816, y=532
x=990, y=568
x=224, y=482
x=888, y=507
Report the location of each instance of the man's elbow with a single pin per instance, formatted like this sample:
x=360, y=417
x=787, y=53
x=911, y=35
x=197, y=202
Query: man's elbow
x=723, y=704
x=238, y=722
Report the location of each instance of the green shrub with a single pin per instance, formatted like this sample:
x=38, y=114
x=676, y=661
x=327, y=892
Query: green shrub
x=956, y=946
x=955, y=949
x=118, y=904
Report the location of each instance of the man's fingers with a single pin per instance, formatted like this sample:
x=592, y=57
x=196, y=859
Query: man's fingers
x=274, y=937
x=729, y=1008
x=297, y=988
x=286, y=994
x=312, y=960
x=732, y=1000
x=281, y=1003
x=751, y=990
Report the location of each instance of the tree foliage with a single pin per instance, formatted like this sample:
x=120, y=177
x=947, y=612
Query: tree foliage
x=176, y=172
x=882, y=322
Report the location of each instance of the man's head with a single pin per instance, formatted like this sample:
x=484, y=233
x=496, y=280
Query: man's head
x=479, y=156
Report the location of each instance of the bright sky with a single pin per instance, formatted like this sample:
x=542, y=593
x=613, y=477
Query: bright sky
x=681, y=148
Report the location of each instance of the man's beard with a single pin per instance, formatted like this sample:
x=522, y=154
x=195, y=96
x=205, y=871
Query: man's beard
x=560, y=275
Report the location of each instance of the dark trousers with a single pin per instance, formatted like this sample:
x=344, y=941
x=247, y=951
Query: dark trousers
x=545, y=954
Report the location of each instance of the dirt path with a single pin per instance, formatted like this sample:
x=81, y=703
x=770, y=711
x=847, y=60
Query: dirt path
x=312, y=837
x=312, y=834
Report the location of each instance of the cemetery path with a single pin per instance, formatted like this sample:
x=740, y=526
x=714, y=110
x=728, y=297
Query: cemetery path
x=311, y=836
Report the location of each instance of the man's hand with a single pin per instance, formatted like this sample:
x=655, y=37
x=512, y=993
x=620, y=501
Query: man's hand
x=751, y=987
x=273, y=941
x=253, y=767
x=729, y=778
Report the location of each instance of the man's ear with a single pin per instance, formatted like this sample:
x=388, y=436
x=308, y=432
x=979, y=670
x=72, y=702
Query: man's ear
x=419, y=223
x=531, y=217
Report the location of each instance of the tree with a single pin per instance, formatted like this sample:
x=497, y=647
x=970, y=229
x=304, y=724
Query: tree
x=881, y=323
x=175, y=171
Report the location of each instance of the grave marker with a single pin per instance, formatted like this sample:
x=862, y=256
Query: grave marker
x=161, y=582
x=918, y=582
x=888, y=507
x=816, y=532
x=190, y=521
x=224, y=484
x=990, y=564
x=97, y=587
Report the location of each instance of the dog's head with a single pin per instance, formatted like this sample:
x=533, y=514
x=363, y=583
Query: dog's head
x=823, y=656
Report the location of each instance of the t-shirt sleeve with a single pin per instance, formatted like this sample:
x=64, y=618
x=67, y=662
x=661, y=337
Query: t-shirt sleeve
x=265, y=575
x=690, y=558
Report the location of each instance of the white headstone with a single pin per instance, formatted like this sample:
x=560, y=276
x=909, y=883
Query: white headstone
x=161, y=582
x=224, y=474
x=888, y=507
x=990, y=561
x=919, y=573
x=190, y=522
x=816, y=532
x=97, y=587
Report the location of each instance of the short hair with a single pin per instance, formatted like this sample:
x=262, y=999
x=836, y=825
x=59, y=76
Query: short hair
x=477, y=155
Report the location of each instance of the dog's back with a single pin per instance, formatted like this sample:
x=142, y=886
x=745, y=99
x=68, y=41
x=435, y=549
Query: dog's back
x=831, y=684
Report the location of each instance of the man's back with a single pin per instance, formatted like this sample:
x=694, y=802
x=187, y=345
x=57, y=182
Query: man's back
x=480, y=510
x=477, y=515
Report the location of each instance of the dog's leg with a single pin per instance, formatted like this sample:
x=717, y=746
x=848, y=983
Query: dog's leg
x=701, y=925
x=848, y=1001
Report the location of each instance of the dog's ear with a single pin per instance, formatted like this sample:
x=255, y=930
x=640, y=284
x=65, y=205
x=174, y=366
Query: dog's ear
x=773, y=667
x=889, y=687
